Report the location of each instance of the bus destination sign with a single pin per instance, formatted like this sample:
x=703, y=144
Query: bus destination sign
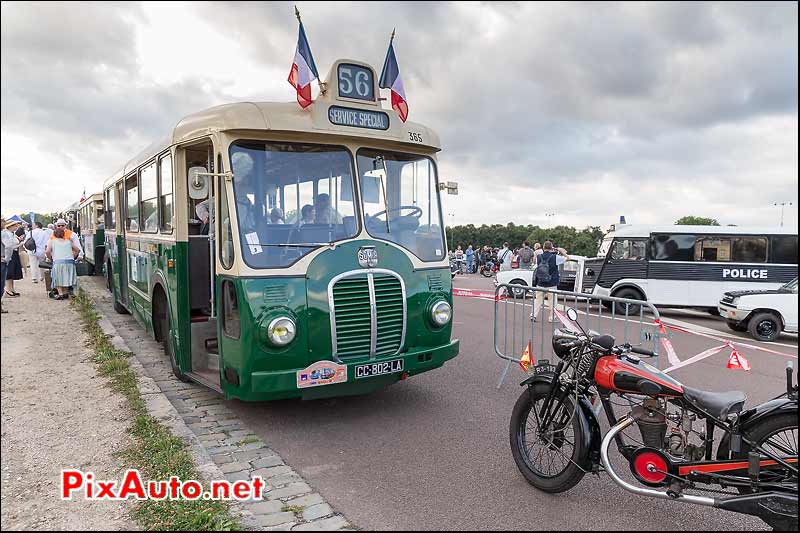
x=358, y=118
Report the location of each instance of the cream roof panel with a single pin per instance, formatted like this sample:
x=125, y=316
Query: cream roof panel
x=282, y=116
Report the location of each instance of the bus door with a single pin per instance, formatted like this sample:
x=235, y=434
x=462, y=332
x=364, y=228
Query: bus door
x=122, y=250
x=201, y=187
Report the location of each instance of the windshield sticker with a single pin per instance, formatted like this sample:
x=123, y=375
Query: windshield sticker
x=321, y=373
x=252, y=241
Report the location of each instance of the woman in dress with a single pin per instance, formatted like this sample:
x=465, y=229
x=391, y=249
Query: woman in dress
x=14, y=268
x=62, y=253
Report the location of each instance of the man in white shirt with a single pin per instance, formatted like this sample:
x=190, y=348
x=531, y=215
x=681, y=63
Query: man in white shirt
x=40, y=237
x=548, y=277
x=504, y=257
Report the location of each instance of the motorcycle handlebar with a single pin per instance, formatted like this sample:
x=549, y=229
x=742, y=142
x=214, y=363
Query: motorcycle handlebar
x=642, y=351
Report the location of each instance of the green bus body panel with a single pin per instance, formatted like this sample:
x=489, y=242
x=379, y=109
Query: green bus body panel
x=265, y=372
x=269, y=373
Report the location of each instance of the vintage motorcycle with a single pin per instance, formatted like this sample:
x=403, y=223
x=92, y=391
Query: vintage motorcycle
x=556, y=438
x=489, y=269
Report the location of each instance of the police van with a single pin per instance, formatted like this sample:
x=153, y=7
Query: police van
x=690, y=266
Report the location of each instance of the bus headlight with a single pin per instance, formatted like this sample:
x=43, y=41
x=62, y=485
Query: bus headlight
x=281, y=331
x=441, y=312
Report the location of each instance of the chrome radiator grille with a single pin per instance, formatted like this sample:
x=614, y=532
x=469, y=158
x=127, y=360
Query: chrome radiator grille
x=368, y=313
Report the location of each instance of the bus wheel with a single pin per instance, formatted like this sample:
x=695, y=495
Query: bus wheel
x=164, y=334
x=118, y=307
x=630, y=294
x=765, y=327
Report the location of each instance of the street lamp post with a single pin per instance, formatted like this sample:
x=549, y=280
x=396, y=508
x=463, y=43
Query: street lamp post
x=782, y=204
x=549, y=217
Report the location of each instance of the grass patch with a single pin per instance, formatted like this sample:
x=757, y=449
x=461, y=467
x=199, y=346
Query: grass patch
x=247, y=440
x=157, y=453
x=296, y=509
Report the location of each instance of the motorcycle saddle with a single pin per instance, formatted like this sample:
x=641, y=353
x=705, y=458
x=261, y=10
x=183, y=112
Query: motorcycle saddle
x=717, y=404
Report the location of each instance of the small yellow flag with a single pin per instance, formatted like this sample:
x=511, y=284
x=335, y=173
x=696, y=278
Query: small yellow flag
x=525, y=360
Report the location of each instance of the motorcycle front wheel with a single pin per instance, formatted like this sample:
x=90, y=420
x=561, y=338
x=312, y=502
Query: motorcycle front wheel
x=548, y=458
x=778, y=435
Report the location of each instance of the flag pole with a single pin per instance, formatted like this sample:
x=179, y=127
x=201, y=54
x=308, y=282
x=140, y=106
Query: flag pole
x=322, y=86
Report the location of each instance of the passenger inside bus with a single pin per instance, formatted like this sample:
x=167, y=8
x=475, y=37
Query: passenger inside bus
x=291, y=199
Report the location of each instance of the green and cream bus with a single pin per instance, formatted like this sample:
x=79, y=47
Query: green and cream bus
x=287, y=253
x=92, y=237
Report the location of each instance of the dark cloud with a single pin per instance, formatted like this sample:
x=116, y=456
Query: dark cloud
x=520, y=93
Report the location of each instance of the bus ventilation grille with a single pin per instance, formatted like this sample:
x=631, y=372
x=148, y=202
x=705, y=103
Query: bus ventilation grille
x=353, y=318
x=435, y=282
x=276, y=294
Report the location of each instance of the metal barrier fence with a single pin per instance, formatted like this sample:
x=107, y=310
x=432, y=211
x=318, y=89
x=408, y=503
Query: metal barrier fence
x=632, y=321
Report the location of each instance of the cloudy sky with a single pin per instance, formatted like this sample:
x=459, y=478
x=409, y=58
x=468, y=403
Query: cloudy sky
x=587, y=111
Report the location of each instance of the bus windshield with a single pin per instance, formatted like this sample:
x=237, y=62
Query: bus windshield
x=401, y=201
x=290, y=199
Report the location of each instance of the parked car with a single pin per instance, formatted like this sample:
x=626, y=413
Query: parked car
x=569, y=273
x=764, y=314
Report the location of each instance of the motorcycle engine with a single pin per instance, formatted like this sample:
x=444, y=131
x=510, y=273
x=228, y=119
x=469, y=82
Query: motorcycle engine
x=652, y=422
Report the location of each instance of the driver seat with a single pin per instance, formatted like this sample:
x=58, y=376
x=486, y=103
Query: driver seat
x=717, y=404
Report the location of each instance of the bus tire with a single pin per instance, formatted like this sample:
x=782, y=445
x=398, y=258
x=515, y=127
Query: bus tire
x=631, y=294
x=118, y=307
x=109, y=278
x=765, y=327
x=163, y=332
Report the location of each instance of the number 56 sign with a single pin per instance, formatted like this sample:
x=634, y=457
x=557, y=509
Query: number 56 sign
x=355, y=81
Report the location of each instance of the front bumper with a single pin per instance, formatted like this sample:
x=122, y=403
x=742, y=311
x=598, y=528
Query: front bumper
x=265, y=386
x=732, y=313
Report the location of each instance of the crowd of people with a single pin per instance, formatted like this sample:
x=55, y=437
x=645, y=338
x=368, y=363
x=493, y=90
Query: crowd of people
x=36, y=250
x=545, y=260
x=473, y=258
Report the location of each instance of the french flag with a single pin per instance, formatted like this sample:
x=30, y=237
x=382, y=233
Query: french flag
x=390, y=79
x=304, y=71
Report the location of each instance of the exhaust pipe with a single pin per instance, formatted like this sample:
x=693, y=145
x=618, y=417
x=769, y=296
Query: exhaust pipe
x=641, y=491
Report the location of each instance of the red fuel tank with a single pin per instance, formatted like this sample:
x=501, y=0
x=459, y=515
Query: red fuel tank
x=629, y=374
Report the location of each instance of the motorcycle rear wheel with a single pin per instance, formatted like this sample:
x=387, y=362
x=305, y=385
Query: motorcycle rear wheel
x=548, y=462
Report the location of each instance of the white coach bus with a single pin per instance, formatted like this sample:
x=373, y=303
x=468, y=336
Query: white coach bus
x=690, y=266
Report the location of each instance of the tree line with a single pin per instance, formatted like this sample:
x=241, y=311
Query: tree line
x=577, y=242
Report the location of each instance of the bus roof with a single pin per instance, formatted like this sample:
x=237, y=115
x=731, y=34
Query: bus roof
x=96, y=197
x=289, y=117
x=644, y=230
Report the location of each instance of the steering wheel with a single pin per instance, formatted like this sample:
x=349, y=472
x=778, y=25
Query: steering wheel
x=416, y=211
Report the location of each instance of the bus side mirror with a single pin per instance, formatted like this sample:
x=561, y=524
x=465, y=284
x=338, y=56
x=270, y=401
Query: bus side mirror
x=198, y=185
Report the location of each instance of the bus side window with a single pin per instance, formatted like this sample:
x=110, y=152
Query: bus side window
x=750, y=250
x=132, y=212
x=231, y=324
x=226, y=231
x=783, y=250
x=712, y=249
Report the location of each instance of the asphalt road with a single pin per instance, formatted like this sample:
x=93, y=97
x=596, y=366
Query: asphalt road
x=433, y=452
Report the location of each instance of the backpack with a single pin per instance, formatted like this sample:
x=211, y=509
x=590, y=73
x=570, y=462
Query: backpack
x=30, y=244
x=525, y=255
x=543, y=270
